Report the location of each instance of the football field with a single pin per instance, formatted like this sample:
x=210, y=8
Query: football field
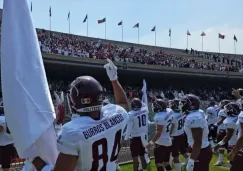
x=153, y=168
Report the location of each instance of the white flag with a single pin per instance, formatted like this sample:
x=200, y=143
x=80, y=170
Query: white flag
x=144, y=91
x=27, y=101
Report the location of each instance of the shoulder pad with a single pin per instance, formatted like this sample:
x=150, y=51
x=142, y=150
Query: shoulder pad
x=195, y=122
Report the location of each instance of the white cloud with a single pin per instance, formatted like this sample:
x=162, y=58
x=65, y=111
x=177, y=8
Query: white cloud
x=210, y=41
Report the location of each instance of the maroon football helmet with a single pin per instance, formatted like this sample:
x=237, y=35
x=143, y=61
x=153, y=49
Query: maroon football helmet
x=159, y=105
x=190, y=102
x=86, y=94
x=136, y=104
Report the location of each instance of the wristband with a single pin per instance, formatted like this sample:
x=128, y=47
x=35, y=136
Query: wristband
x=221, y=143
x=47, y=168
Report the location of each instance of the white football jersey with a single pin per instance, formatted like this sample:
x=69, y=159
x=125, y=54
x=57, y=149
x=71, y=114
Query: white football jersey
x=240, y=121
x=202, y=113
x=196, y=120
x=95, y=142
x=231, y=123
x=221, y=113
x=164, y=119
x=178, y=122
x=138, y=121
x=212, y=114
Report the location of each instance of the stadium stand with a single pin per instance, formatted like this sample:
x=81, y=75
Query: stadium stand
x=84, y=47
x=74, y=46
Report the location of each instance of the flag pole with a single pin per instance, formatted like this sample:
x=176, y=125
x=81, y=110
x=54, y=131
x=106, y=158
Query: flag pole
x=138, y=35
x=170, y=40
x=219, y=44
x=105, y=28
x=155, y=37
x=69, y=24
x=50, y=23
x=202, y=43
x=87, y=25
x=122, y=31
x=235, y=46
x=187, y=41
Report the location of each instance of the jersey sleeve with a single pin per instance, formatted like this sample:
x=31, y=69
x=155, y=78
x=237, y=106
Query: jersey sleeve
x=195, y=122
x=67, y=142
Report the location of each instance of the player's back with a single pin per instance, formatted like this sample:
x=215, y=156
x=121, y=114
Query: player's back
x=139, y=119
x=95, y=142
x=196, y=120
x=178, y=122
x=164, y=119
x=211, y=114
x=231, y=123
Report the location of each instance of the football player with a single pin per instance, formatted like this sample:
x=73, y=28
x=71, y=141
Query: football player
x=211, y=117
x=162, y=139
x=177, y=134
x=220, y=129
x=6, y=143
x=236, y=155
x=91, y=142
x=137, y=129
x=196, y=129
x=232, y=111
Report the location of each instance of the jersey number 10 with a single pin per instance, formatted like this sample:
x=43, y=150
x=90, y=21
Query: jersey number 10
x=141, y=120
x=104, y=154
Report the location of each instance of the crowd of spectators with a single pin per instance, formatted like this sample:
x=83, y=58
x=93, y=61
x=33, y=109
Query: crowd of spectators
x=216, y=94
x=75, y=46
x=230, y=62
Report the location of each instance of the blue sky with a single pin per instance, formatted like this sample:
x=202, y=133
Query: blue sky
x=210, y=16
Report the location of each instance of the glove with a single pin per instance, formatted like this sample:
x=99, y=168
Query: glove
x=190, y=165
x=111, y=70
x=144, y=86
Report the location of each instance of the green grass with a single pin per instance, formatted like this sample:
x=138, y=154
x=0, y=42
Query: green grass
x=153, y=168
